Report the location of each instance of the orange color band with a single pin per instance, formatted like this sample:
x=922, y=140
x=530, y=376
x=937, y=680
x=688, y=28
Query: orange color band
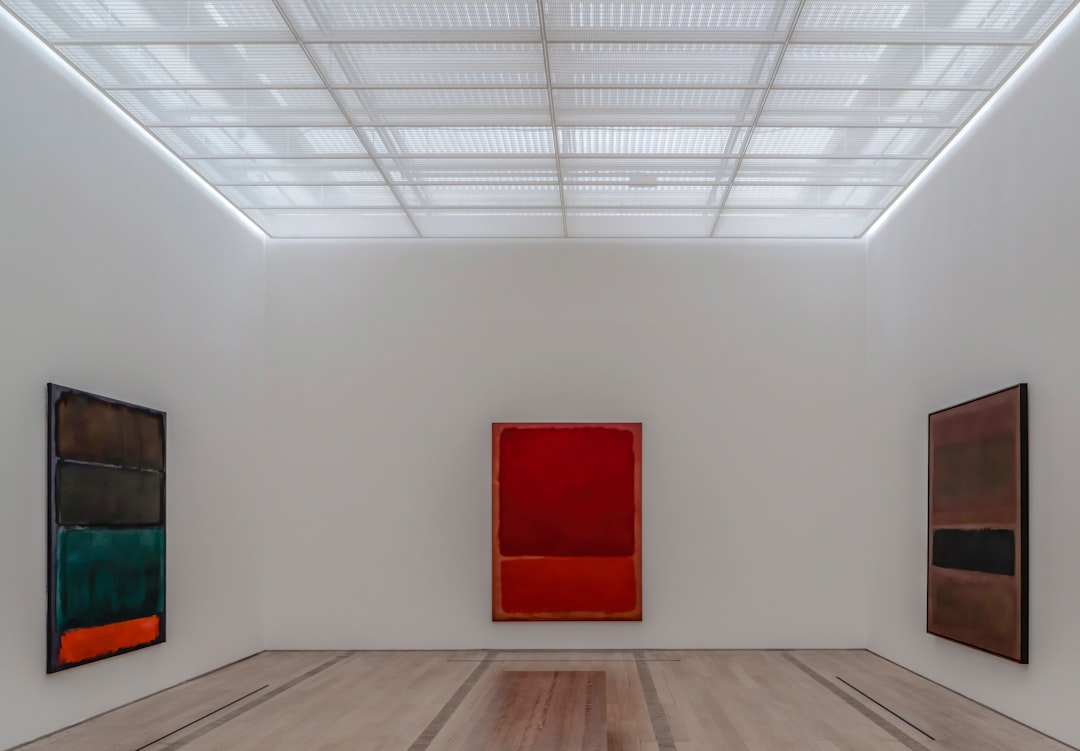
x=82, y=644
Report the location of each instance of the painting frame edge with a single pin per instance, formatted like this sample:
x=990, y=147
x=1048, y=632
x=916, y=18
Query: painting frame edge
x=53, y=392
x=1022, y=389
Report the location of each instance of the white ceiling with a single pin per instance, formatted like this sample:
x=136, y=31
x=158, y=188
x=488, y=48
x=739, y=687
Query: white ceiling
x=550, y=118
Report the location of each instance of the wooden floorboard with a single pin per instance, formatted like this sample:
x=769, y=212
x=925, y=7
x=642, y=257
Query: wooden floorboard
x=543, y=710
x=655, y=701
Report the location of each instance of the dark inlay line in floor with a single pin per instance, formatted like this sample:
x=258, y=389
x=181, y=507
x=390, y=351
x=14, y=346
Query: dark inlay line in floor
x=439, y=721
x=200, y=719
x=859, y=707
x=665, y=741
x=894, y=714
x=210, y=727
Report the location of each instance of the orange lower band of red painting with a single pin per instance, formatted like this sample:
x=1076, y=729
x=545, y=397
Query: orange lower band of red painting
x=572, y=588
x=84, y=644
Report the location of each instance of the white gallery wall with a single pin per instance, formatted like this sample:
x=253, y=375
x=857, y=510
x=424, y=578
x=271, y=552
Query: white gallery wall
x=120, y=275
x=973, y=286
x=388, y=362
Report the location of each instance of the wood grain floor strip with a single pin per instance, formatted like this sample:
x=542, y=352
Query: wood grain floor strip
x=541, y=710
x=665, y=741
x=858, y=706
x=439, y=721
x=212, y=726
x=571, y=659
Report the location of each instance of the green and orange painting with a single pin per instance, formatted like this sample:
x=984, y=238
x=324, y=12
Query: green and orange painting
x=106, y=528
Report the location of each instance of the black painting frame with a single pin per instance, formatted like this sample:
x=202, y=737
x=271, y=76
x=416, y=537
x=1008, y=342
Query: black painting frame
x=52, y=642
x=1023, y=532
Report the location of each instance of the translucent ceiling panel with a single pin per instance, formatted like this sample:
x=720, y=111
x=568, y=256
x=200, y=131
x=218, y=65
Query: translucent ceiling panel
x=261, y=142
x=464, y=171
x=826, y=108
x=848, y=142
x=811, y=196
x=462, y=196
x=460, y=141
x=329, y=223
x=829, y=171
x=284, y=171
x=311, y=196
x=154, y=20
x=199, y=65
x=701, y=107
x=639, y=223
x=426, y=107
x=949, y=21
x=414, y=20
x=682, y=20
x=231, y=107
x=871, y=107
x=655, y=141
x=443, y=223
x=802, y=223
x=910, y=66
x=633, y=171
x=667, y=65
x=427, y=65
x=682, y=196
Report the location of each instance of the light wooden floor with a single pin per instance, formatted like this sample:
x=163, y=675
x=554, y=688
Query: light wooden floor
x=655, y=701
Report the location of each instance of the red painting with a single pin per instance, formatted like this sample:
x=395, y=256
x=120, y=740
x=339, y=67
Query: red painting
x=566, y=521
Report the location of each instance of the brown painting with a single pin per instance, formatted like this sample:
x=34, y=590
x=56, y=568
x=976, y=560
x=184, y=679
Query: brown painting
x=977, y=557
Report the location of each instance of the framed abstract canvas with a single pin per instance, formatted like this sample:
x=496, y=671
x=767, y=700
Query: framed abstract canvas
x=977, y=567
x=566, y=521
x=106, y=528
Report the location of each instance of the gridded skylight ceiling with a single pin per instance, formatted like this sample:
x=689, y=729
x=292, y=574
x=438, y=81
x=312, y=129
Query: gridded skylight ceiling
x=550, y=118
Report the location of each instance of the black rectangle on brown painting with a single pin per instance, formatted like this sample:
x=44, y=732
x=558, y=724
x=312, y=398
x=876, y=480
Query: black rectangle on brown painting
x=96, y=496
x=992, y=551
x=97, y=430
